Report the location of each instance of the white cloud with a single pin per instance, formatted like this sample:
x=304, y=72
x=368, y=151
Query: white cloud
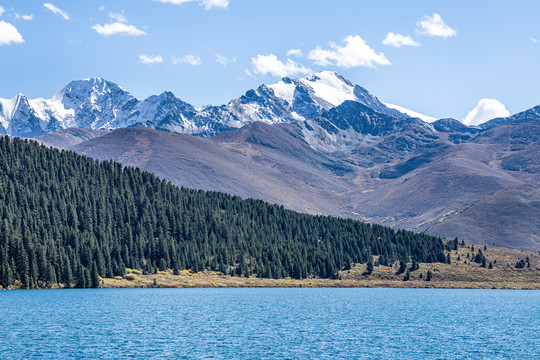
x=9, y=34
x=434, y=26
x=2, y=10
x=175, y=2
x=102, y=8
x=24, y=17
x=56, y=10
x=150, y=59
x=270, y=64
x=221, y=59
x=117, y=28
x=355, y=52
x=485, y=110
x=187, y=59
x=295, y=52
x=534, y=40
x=208, y=4
x=398, y=40
x=118, y=17
x=248, y=73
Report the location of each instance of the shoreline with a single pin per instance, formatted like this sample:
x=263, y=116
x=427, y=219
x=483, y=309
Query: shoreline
x=461, y=273
x=384, y=277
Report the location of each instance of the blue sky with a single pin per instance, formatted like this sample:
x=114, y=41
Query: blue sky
x=211, y=51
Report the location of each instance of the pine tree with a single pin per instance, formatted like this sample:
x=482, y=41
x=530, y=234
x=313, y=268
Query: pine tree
x=483, y=262
x=94, y=276
x=369, y=268
x=402, y=267
x=407, y=276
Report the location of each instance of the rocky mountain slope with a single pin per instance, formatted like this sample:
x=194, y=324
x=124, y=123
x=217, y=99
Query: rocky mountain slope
x=442, y=178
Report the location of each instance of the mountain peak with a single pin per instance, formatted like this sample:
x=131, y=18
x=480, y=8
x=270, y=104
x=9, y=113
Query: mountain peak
x=328, y=76
x=329, y=89
x=95, y=85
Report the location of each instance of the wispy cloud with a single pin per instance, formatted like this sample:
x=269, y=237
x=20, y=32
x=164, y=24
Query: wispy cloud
x=221, y=60
x=16, y=16
x=355, y=52
x=434, y=26
x=150, y=59
x=187, y=59
x=23, y=17
x=56, y=10
x=210, y=4
x=270, y=64
x=118, y=26
x=118, y=17
x=534, y=40
x=118, y=29
x=295, y=52
x=207, y=4
x=9, y=34
x=398, y=40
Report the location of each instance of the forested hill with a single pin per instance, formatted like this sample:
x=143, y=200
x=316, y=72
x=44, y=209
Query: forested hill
x=67, y=219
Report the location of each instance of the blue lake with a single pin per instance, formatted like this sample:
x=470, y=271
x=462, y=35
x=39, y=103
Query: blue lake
x=271, y=323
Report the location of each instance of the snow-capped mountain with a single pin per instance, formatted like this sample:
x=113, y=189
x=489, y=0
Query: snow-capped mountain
x=96, y=103
x=302, y=99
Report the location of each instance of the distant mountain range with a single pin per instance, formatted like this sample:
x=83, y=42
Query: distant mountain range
x=319, y=145
x=99, y=104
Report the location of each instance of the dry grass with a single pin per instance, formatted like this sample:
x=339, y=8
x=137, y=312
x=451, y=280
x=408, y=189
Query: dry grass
x=458, y=274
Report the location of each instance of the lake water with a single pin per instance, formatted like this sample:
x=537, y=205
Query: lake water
x=272, y=323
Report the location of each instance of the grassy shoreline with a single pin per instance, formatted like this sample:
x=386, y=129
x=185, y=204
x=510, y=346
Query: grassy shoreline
x=206, y=280
x=459, y=274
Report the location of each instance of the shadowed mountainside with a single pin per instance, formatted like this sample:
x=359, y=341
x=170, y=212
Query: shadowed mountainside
x=354, y=162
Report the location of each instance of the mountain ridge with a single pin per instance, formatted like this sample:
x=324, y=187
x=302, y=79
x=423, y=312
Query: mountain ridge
x=99, y=104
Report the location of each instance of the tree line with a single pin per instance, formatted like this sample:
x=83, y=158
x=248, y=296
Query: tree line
x=69, y=219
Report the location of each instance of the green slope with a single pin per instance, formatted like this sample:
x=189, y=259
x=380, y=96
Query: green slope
x=67, y=219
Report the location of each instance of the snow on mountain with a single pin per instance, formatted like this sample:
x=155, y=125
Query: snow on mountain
x=96, y=103
x=22, y=119
x=6, y=110
x=302, y=98
x=411, y=113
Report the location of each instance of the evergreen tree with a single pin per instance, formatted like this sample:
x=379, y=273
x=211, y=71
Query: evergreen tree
x=94, y=277
x=407, y=276
x=483, y=262
x=402, y=267
x=369, y=268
